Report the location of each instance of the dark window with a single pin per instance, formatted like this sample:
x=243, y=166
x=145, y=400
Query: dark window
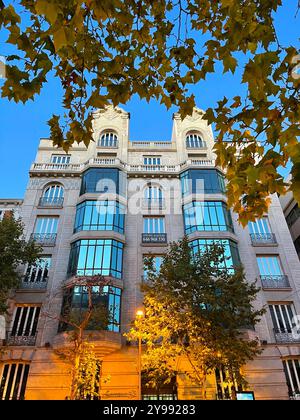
x=25, y=321
x=76, y=299
x=100, y=215
x=13, y=379
x=206, y=216
x=292, y=374
x=164, y=391
x=297, y=245
x=89, y=257
x=200, y=181
x=104, y=180
x=231, y=254
x=293, y=215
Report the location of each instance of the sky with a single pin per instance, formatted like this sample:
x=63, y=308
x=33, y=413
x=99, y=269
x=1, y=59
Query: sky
x=21, y=126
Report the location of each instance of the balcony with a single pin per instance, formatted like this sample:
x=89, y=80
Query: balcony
x=115, y=162
x=44, y=239
x=196, y=144
x=154, y=238
x=151, y=145
x=275, y=282
x=285, y=336
x=153, y=203
x=26, y=284
x=51, y=202
x=20, y=340
x=261, y=239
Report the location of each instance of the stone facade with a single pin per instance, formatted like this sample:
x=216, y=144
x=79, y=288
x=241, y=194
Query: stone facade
x=48, y=377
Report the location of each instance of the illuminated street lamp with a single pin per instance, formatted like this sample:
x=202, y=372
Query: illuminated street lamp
x=139, y=315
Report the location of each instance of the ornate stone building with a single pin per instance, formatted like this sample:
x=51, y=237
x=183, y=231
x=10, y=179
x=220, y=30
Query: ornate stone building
x=101, y=210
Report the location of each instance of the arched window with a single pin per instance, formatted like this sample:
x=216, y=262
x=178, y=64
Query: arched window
x=194, y=141
x=53, y=196
x=108, y=139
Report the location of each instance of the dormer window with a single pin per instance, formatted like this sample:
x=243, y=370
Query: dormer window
x=194, y=141
x=108, y=139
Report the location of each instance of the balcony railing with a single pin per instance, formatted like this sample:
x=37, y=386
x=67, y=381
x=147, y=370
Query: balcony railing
x=196, y=145
x=34, y=285
x=154, y=203
x=151, y=144
x=154, y=238
x=263, y=238
x=275, y=282
x=51, y=202
x=80, y=167
x=20, y=340
x=285, y=336
x=45, y=239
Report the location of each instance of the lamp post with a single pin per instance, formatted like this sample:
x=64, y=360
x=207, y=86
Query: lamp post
x=139, y=315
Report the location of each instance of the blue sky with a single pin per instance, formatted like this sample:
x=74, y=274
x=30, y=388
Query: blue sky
x=21, y=126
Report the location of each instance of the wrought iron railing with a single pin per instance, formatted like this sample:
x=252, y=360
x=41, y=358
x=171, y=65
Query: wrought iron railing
x=34, y=285
x=154, y=238
x=275, y=281
x=263, y=238
x=286, y=336
x=45, y=239
x=20, y=340
x=51, y=202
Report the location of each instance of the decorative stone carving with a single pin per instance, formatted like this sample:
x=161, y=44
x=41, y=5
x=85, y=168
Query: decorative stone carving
x=110, y=112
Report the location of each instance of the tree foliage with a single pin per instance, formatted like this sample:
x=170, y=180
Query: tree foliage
x=14, y=251
x=109, y=50
x=195, y=311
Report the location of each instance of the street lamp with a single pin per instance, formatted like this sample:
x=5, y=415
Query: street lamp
x=139, y=315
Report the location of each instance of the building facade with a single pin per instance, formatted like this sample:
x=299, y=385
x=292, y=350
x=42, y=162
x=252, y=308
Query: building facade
x=101, y=210
x=292, y=216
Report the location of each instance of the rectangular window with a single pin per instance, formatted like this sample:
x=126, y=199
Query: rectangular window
x=282, y=317
x=207, y=216
x=157, y=262
x=231, y=255
x=60, y=159
x=92, y=257
x=25, y=321
x=269, y=265
x=46, y=225
x=201, y=181
x=260, y=226
x=293, y=215
x=39, y=272
x=100, y=215
x=13, y=380
x=154, y=225
x=108, y=296
x=152, y=160
x=292, y=374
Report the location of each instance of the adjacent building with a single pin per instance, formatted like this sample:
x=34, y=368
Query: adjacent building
x=101, y=210
x=291, y=212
